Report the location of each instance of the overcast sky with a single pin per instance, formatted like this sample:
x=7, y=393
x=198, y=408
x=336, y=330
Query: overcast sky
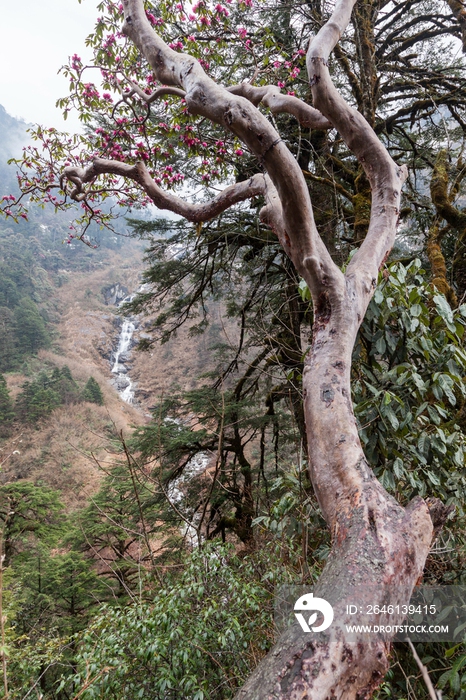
x=36, y=38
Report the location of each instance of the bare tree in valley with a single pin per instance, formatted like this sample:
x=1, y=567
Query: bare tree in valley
x=379, y=548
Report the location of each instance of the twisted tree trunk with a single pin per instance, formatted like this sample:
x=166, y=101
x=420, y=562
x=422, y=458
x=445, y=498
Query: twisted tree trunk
x=379, y=548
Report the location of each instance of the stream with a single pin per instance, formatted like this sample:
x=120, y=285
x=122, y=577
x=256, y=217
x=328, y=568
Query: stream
x=122, y=381
x=126, y=390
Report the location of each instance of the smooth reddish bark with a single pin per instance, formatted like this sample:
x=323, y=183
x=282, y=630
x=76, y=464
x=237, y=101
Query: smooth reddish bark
x=379, y=548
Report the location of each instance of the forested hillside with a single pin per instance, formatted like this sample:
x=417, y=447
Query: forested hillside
x=146, y=543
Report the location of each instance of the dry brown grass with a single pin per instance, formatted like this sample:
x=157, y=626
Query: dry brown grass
x=65, y=451
x=181, y=362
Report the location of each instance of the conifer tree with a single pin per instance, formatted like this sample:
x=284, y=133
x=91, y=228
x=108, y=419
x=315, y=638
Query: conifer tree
x=92, y=392
x=7, y=413
x=31, y=332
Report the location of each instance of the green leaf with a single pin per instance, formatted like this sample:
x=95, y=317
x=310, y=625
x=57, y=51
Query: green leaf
x=394, y=422
x=433, y=478
x=398, y=468
x=388, y=482
x=304, y=291
x=446, y=383
x=444, y=309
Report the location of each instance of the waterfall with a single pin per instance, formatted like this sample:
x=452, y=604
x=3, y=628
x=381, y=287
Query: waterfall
x=125, y=387
x=123, y=381
x=195, y=467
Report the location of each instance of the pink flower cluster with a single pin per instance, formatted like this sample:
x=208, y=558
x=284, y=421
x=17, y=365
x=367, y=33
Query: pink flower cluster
x=116, y=152
x=221, y=150
x=221, y=10
x=90, y=92
x=76, y=63
x=110, y=40
x=113, y=150
x=169, y=177
x=141, y=152
x=153, y=20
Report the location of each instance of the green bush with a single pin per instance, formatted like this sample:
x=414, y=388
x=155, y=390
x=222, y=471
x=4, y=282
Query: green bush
x=198, y=638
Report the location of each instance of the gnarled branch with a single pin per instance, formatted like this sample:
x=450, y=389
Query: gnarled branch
x=271, y=97
x=204, y=211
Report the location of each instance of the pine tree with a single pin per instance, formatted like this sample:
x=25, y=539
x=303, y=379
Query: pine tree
x=64, y=384
x=38, y=399
x=28, y=512
x=8, y=350
x=92, y=392
x=7, y=413
x=31, y=332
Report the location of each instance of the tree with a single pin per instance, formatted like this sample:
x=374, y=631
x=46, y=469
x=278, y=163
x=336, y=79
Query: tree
x=43, y=394
x=116, y=527
x=30, y=327
x=37, y=399
x=162, y=648
x=27, y=510
x=7, y=413
x=63, y=383
x=375, y=540
x=92, y=392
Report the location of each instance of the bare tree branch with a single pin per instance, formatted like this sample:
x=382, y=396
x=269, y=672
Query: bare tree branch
x=196, y=213
x=424, y=671
x=159, y=92
x=271, y=97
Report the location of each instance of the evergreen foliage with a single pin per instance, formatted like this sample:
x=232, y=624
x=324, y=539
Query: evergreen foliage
x=31, y=333
x=28, y=513
x=47, y=391
x=197, y=638
x=92, y=392
x=38, y=399
x=7, y=413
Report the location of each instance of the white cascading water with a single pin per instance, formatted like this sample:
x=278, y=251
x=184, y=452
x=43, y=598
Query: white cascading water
x=195, y=467
x=124, y=383
x=197, y=464
x=122, y=380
